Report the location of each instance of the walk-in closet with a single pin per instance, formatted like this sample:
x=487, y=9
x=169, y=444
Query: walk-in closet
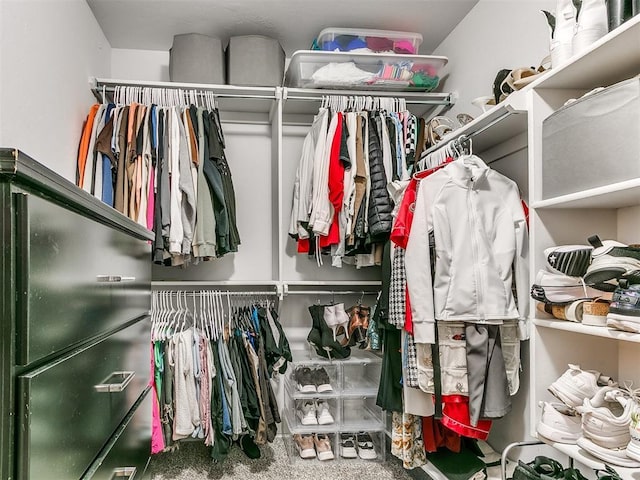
x=347, y=239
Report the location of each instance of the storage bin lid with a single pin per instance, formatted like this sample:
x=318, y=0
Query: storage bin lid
x=374, y=40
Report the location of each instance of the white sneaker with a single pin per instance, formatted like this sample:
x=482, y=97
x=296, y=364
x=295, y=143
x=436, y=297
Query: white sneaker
x=571, y=260
x=557, y=288
x=323, y=414
x=366, y=449
x=595, y=312
x=559, y=423
x=348, y=446
x=606, y=418
x=307, y=413
x=304, y=445
x=633, y=449
x=575, y=385
x=610, y=261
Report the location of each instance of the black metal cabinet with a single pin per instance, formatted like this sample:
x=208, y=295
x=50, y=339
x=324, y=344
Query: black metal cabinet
x=74, y=347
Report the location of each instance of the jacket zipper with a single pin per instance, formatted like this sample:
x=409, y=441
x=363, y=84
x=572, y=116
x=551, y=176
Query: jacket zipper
x=474, y=249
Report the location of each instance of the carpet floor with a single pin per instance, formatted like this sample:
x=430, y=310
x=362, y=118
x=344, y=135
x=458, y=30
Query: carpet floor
x=192, y=462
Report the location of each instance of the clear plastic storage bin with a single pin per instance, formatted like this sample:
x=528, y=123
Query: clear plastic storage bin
x=313, y=378
x=361, y=413
x=307, y=457
x=361, y=376
x=359, y=446
x=363, y=71
x=347, y=39
x=301, y=419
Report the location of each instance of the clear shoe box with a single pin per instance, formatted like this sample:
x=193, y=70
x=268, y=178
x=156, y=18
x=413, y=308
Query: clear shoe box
x=361, y=375
x=376, y=438
x=361, y=413
x=293, y=451
x=299, y=421
x=308, y=370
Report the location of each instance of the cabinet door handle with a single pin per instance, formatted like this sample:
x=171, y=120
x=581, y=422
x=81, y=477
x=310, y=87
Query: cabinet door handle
x=116, y=382
x=123, y=472
x=114, y=278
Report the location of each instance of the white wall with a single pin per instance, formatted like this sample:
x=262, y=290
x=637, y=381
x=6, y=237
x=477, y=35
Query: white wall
x=147, y=65
x=496, y=34
x=48, y=51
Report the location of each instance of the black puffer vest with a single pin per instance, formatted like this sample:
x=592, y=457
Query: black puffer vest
x=380, y=203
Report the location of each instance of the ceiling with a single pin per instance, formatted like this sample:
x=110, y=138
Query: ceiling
x=151, y=24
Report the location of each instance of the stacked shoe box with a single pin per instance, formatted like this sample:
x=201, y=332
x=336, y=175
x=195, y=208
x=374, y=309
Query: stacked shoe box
x=330, y=409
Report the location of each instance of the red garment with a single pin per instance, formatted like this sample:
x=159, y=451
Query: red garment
x=436, y=435
x=408, y=318
x=402, y=225
x=303, y=245
x=455, y=416
x=336, y=186
x=526, y=212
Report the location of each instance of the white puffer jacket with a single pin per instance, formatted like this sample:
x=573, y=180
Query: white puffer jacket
x=480, y=232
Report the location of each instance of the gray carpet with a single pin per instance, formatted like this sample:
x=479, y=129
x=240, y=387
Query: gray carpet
x=192, y=462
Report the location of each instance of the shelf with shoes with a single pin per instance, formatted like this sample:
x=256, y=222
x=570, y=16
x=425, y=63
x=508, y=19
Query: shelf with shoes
x=603, y=332
x=583, y=457
x=582, y=182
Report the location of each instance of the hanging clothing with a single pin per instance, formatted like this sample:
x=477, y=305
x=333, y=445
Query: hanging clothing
x=406, y=440
x=340, y=204
x=212, y=373
x=166, y=169
x=480, y=231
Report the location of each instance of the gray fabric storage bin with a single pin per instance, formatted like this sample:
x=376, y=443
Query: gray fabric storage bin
x=196, y=58
x=601, y=133
x=254, y=61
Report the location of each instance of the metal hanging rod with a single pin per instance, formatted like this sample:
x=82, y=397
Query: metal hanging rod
x=414, y=98
x=332, y=292
x=102, y=87
x=179, y=293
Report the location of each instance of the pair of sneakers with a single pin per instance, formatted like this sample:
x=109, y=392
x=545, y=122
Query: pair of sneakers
x=358, y=445
x=595, y=414
x=312, y=380
x=314, y=412
x=607, y=427
x=313, y=446
x=560, y=421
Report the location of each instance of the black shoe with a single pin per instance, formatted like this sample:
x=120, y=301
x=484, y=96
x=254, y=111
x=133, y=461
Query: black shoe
x=305, y=379
x=315, y=335
x=322, y=380
x=366, y=450
x=249, y=447
x=326, y=346
x=332, y=346
x=624, y=310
